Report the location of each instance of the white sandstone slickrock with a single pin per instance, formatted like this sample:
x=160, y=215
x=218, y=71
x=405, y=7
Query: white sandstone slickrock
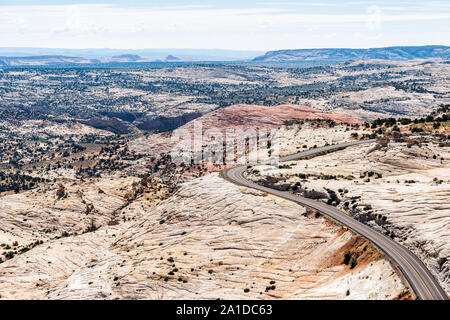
x=412, y=193
x=211, y=239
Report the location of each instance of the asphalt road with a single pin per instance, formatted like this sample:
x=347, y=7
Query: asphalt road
x=418, y=276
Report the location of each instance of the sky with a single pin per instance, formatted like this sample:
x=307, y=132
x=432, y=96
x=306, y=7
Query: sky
x=222, y=24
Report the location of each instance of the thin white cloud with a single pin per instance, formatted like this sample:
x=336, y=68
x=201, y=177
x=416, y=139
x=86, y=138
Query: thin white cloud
x=301, y=4
x=374, y=17
x=73, y=20
x=200, y=26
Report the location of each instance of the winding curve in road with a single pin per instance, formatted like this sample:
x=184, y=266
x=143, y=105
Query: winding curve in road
x=418, y=276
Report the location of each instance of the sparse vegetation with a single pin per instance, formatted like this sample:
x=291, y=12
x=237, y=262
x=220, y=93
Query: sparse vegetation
x=353, y=262
x=347, y=257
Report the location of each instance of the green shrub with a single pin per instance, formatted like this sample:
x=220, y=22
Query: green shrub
x=353, y=262
x=347, y=256
x=9, y=255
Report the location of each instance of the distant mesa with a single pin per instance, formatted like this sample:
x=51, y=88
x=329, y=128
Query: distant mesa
x=130, y=57
x=52, y=60
x=43, y=60
x=344, y=54
x=170, y=58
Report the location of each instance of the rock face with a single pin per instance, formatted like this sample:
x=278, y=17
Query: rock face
x=300, y=137
x=254, y=116
x=41, y=215
x=212, y=239
x=47, y=235
x=237, y=117
x=401, y=190
x=165, y=123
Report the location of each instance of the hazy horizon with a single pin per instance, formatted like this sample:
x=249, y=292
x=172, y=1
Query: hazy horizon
x=157, y=54
x=218, y=49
